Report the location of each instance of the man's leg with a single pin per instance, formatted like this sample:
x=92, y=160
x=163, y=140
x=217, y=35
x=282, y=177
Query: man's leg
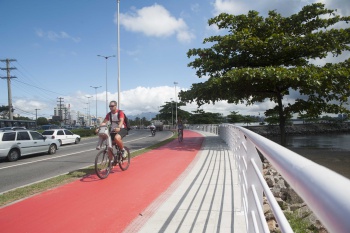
x=118, y=141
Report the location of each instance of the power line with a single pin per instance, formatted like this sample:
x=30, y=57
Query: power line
x=39, y=88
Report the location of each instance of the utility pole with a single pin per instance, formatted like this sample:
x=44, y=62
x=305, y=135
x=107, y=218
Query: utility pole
x=9, y=77
x=36, y=118
x=60, y=108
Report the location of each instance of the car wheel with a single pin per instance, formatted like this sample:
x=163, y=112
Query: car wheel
x=13, y=155
x=77, y=140
x=60, y=142
x=52, y=149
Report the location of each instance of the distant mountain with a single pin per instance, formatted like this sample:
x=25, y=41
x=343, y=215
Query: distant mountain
x=147, y=115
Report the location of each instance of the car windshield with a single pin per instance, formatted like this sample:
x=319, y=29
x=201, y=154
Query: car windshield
x=48, y=132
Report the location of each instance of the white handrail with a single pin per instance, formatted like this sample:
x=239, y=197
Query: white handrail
x=324, y=191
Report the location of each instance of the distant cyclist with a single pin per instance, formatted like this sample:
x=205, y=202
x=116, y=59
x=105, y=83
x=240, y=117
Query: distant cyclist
x=152, y=127
x=180, y=126
x=118, y=126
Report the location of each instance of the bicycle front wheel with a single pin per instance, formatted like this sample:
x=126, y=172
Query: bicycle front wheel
x=102, y=164
x=125, y=162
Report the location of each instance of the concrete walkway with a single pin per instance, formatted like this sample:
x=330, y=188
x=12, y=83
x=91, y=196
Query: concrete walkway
x=205, y=198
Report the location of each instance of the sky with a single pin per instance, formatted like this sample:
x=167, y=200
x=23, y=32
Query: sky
x=56, y=43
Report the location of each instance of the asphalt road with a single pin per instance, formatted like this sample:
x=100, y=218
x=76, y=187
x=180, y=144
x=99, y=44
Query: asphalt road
x=68, y=158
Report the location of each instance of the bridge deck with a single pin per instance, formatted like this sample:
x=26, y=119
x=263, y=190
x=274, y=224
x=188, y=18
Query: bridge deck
x=205, y=198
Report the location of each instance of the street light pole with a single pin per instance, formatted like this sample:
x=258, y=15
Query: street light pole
x=96, y=102
x=36, y=118
x=172, y=117
x=106, y=57
x=89, y=119
x=118, y=57
x=175, y=83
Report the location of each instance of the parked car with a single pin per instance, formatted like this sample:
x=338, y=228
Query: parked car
x=64, y=136
x=17, y=143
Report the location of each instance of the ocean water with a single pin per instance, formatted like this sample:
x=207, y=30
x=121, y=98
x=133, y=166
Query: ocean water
x=333, y=142
x=328, y=141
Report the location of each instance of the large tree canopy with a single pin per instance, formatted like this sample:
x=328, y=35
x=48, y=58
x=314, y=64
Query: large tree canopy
x=263, y=59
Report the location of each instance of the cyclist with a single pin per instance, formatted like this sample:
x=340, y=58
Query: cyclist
x=152, y=127
x=118, y=126
x=180, y=126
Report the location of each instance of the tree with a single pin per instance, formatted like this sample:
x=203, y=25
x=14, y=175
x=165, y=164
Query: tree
x=266, y=58
x=42, y=121
x=4, y=111
x=202, y=117
x=168, y=111
x=234, y=117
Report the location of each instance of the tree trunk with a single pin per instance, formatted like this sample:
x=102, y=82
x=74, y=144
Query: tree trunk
x=282, y=120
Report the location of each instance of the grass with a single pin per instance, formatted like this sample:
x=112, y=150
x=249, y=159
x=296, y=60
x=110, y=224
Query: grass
x=30, y=190
x=300, y=224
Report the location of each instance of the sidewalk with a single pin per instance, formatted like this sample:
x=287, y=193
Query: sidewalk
x=179, y=187
x=205, y=198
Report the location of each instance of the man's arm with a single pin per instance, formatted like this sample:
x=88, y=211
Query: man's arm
x=121, y=122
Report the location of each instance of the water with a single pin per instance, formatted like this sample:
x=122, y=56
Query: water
x=329, y=150
x=330, y=141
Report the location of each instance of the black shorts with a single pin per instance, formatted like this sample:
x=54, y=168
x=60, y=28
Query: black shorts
x=123, y=132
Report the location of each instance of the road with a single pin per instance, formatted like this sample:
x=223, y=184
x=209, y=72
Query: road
x=68, y=158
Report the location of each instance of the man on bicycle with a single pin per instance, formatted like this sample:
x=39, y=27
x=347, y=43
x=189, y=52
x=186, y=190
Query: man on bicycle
x=118, y=127
x=180, y=126
x=152, y=127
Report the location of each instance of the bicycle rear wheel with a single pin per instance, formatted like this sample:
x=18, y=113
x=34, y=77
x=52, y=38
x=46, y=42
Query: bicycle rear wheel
x=179, y=136
x=125, y=162
x=102, y=164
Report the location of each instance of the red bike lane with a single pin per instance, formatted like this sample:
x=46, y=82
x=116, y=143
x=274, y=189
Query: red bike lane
x=110, y=205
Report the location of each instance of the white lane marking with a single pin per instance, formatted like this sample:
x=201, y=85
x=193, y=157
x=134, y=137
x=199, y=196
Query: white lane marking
x=60, y=156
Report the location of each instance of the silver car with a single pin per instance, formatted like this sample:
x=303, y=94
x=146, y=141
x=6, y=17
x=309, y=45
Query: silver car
x=17, y=143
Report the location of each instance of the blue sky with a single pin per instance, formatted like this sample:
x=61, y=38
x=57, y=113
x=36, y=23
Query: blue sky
x=56, y=44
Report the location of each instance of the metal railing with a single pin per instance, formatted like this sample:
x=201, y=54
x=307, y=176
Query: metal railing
x=325, y=192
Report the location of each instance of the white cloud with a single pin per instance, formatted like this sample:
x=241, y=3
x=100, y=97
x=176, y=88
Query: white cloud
x=156, y=21
x=54, y=36
x=231, y=7
x=285, y=7
x=195, y=7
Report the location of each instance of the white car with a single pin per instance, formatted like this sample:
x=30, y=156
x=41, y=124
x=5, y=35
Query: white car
x=17, y=143
x=64, y=136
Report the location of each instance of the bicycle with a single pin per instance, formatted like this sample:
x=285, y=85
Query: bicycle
x=106, y=159
x=153, y=132
x=180, y=135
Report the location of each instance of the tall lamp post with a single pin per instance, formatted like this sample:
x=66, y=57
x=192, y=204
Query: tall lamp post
x=106, y=57
x=172, y=117
x=36, y=118
x=175, y=83
x=96, y=103
x=89, y=117
x=118, y=47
